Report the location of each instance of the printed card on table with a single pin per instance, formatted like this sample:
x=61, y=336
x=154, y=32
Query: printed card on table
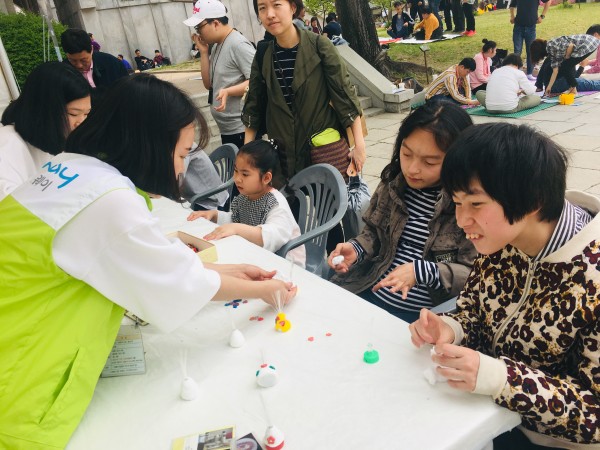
x=127, y=355
x=209, y=440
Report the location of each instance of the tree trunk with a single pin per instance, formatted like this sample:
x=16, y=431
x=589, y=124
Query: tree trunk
x=358, y=28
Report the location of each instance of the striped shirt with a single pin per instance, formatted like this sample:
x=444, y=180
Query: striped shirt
x=583, y=45
x=448, y=83
x=421, y=206
x=285, y=59
x=572, y=220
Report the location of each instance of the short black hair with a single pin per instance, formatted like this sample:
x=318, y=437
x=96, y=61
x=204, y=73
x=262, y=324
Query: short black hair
x=136, y=50
x=517, y=166
x=263, y=154
x=74, y=40
x=426, y=10
x=224, y=20
x=593, y=29
x=513, y=59
x=39, y=115
x=468, y=63
x=135, y=129
x=444, y=120
x=396, y=4
x=537, y=50
x=119, y=55
x=298, y=3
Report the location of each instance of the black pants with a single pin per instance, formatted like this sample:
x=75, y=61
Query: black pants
x=516, y=440
x=235, y=139
x=448, y=14
x=458, y=16
x=481, y=87
x=468, y=11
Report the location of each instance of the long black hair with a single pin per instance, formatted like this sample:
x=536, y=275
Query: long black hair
x=444, y=120
x=135, y=129
x=39, y=115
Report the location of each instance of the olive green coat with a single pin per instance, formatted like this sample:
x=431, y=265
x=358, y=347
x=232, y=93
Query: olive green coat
x=320, y=77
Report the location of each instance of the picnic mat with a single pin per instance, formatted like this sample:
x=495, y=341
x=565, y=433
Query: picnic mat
x=480, y=110
x=416, y=41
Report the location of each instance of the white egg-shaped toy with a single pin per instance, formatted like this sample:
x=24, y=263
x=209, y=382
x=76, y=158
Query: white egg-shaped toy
x=267, y=376
x=337, y=260
x=236, y=339
x=274, y=438
x=189, y=389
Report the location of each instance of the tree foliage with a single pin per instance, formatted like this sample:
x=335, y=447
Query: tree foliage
x=23, y=39
x=320, y=8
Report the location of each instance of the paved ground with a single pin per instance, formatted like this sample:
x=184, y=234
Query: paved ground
x=577, y=128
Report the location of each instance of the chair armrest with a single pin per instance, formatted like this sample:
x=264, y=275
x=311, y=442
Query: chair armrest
x=310, y=235
x=211, y=192
x=446, y=307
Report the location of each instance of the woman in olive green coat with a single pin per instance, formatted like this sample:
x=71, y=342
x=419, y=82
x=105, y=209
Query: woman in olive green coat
x=312, y=93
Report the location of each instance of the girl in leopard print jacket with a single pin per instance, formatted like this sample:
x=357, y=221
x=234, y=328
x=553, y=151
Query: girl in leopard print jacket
x=527, y=326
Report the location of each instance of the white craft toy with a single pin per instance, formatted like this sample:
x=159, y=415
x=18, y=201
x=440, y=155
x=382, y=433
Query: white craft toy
x=189, y=389
x=431, y=374
x=267, y=376
x=337, y=260
x=274, y=438
x=236, y=339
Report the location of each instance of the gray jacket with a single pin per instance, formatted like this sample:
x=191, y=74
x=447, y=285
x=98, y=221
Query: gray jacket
x=385, y=219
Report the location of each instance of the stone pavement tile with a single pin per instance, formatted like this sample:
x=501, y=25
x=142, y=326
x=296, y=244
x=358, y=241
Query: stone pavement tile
x=380, y=150
x=390, y=141
x=372, y=182
x=374, y=166
x=552, y=128
x=585, y=160
x=387, y=123
x=554, y=114
x=595, y=190
x=591, y=116
x=377, y=134
x=582, y=179
x=586, y=130
x=575, y=142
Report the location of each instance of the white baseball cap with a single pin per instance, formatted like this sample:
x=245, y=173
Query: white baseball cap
x=206, y=9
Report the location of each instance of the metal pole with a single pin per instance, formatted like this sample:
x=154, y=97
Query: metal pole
x=48, y=18
x=9, y=75
x=426, y=69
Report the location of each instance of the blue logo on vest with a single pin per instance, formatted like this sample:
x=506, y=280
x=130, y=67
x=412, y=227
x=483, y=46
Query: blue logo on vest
x=60, y=170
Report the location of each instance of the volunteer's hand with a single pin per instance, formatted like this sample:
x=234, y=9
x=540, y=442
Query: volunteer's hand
x=254, y=273
x=201, y=46
x=278, y=293
x=359, y=154
x=222, y=97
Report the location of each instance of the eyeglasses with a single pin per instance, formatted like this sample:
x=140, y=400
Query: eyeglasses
x=199, y=26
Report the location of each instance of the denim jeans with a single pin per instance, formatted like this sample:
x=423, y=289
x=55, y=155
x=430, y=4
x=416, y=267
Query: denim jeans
x=435, y=7
x=527, y=34
x=583, y=85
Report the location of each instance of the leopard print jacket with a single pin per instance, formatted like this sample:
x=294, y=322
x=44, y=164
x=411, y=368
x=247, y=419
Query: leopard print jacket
x=542, y=319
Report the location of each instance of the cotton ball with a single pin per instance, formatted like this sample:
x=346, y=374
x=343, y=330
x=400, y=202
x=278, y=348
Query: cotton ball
x=432, y=375
x=337, y=260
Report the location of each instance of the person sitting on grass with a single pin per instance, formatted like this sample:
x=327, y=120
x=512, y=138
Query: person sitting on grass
x=429, y=27
x=402, y=24
x=526, y=331
x=453, y=84
x=410, y=254
x=505, y=88
x=483, y=62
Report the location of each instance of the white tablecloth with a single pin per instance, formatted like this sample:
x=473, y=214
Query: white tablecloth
x=327, y=397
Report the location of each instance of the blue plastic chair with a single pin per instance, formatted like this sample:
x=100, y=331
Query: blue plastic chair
x=323, y=199
x=223, y=158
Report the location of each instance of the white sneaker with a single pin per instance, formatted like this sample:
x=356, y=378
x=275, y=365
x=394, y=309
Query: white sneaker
x=531, y=78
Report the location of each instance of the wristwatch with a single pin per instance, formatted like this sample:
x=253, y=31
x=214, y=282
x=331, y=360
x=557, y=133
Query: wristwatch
x=542, y=16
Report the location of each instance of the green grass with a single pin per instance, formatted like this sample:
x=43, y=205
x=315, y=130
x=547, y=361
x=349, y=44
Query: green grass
x=496, y=26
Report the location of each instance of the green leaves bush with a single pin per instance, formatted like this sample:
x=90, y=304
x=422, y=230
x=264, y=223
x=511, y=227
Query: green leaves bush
x=23, y=39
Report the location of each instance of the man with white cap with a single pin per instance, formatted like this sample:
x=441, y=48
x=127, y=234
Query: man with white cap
x=226, y=71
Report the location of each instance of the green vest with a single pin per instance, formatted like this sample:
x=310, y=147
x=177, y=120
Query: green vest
x=55, y=331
